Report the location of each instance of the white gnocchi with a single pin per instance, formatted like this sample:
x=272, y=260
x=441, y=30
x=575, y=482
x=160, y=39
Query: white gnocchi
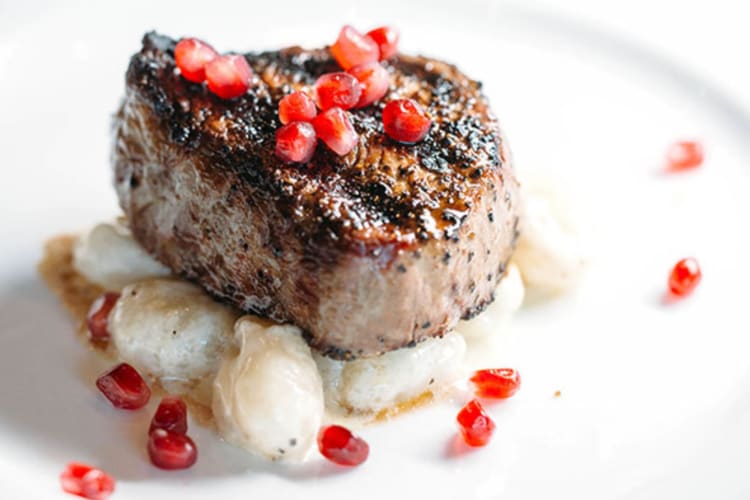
x=268, y=396
x=172, y=331
x=551, y=250
x=374, y=384
x=109, y=256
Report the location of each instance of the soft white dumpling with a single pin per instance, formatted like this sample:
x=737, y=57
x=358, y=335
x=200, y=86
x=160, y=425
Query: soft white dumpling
x=109, y=256
x=268, y=398
x=551, y=250
x=171, y=330
x=374, y=384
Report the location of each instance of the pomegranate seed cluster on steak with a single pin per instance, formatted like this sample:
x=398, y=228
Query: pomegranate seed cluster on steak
x=366, y=253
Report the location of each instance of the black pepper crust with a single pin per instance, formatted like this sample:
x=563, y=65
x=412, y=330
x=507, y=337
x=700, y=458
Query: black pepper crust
x=357, y=202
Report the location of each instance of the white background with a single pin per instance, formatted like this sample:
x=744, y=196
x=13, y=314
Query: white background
x=642, y=416
x=711, y=37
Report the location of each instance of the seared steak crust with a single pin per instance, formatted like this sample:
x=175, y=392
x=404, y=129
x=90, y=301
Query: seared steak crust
x=369, y=252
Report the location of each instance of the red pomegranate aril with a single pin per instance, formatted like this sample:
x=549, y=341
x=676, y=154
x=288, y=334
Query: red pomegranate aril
x=296, y=142
x=171, y=415
x=337, y=90
x=97, y=319
x=296, y=107
x=684, y=277
x=191, y=56
x=70, y=478
x=340, y=446
x=124, y=387
x=684, y=155
x=374, y=80
x=170, y=450
x=499, y=383
x=405, y=121
x=334, y=128
x=387, y=39
x=352, y=48
x=475, y=425
x=86, y=481
x=228, y=76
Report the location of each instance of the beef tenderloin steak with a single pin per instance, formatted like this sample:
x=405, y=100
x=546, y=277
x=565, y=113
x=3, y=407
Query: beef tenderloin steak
x=366, y=253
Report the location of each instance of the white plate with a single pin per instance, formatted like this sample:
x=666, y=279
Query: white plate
x=655, y=399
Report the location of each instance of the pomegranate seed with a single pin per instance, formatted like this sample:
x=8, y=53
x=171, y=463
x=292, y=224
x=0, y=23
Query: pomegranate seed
x=475, y=425
x=374, y=81
x=98, y=317
x=296, y=107
x=71, y=477
x=352, y=48
x=387, y=39
x=684, y=155
x=124, y=387
x=228, y=76
x=170, y=450
x=296, y=142
x=405, y=121
x=171, y=415
x=497, y=383
x=191, y=56
x=335, y=129
x=341, y=447
x=685, y=276
x=337, y=90
x=86, y=481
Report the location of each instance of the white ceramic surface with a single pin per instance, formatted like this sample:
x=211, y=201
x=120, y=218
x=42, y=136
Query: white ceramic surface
x=655, y=398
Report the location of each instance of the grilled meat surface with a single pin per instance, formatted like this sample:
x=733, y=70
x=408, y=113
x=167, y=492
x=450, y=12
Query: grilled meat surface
x=366, y=253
